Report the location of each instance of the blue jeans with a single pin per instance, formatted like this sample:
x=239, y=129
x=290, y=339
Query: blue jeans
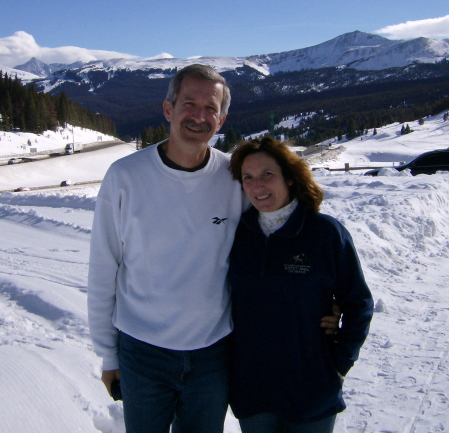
x=271, y=423
x=187, y=389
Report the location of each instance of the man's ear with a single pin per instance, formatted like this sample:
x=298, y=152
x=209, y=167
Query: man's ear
x=167, y=108
x=220, y=124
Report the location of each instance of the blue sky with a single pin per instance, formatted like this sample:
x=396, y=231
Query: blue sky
x=146, y=28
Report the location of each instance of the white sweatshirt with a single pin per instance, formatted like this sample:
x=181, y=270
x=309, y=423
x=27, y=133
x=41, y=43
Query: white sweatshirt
x=159, y=254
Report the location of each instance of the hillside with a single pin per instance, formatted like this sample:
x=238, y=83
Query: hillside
x=330, y=76
x=387, y=148
x=50, y=380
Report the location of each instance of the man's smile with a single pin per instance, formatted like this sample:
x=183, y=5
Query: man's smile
x=196, y=127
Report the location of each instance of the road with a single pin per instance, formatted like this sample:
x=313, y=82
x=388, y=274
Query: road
x=51, y=171
x=88, y=147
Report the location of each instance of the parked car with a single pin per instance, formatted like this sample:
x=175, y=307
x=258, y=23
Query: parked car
x=21, y=188
x=14, y=161
x=426, y=163
x=66, y=183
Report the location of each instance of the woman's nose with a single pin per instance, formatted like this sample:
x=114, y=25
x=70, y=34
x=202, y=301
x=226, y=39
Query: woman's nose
x=259, y=182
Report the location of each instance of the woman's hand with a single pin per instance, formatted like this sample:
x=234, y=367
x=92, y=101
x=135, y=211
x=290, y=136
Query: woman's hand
x=330, y=323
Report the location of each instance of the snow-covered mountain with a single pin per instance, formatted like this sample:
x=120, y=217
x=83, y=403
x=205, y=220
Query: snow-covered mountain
x=22, y=74
x=357, y=50
x=130, y=91
x=41, y=69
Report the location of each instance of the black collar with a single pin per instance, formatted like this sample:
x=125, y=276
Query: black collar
x=169, y=163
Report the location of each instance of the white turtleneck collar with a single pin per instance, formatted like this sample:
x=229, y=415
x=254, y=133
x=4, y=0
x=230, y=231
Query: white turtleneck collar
x=271, y=221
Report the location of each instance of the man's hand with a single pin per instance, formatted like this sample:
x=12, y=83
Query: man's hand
x=331, y=322
x=108, y=376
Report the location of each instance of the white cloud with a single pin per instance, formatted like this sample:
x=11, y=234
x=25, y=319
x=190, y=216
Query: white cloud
x=430, y=28
x=21, y=47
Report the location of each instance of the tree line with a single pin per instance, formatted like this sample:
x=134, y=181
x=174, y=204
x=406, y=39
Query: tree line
x=150, y=136
x=23, y=108
x=346, y=112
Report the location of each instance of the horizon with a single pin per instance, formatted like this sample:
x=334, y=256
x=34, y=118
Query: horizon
x=85, y=31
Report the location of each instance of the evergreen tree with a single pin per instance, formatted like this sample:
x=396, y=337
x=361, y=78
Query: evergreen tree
x=63, y=109
x=222, y=145
x=31, y=116
x=160, y=134
x=150, y=135
x=230, y=139
x=143, y=138
x=218, y=144
x=351, y=130
x=8, y=112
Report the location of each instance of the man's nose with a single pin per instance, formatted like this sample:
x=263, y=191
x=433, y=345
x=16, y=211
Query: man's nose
x=199, y=114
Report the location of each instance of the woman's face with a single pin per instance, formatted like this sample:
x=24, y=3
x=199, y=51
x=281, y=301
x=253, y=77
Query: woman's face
x=264, y=183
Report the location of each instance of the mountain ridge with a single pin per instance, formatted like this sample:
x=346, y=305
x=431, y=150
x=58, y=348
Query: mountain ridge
x=130, y=92
x=358, y=50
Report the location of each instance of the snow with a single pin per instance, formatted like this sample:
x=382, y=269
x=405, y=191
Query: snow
x=50, y=376
x=359, y=50
x=388, y=147
x=48, y=171
x=23, y=75
x=25, y=143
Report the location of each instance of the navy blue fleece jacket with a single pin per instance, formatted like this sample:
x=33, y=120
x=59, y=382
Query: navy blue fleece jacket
x=282, y=285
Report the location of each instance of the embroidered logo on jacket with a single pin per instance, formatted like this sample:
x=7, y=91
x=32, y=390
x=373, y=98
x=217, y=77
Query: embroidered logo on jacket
x=218, y=221
x=298, y=264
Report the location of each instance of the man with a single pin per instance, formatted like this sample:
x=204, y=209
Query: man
x=158, y=301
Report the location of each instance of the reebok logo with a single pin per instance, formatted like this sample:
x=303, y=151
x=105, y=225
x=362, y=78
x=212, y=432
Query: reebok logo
x=218, y=221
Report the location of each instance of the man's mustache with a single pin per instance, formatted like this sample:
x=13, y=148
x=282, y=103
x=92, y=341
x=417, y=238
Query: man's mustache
x=200, y=127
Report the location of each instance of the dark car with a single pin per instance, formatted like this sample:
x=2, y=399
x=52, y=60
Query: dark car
x=426, y=163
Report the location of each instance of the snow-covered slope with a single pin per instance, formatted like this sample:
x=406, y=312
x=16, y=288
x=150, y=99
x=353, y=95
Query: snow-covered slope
x=22, y=75
x=359, y=50
x=50, y=376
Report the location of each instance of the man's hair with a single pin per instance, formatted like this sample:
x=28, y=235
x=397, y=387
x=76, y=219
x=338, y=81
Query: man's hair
x=200, y=72
x=294, y=169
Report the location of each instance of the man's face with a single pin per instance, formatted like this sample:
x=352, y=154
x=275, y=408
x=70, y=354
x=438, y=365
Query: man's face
x=195, y=117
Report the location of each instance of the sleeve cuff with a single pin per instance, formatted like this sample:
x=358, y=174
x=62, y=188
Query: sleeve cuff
x=110, y=362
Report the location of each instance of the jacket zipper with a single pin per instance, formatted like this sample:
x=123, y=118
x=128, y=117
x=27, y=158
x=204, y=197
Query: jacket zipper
x=265, y=256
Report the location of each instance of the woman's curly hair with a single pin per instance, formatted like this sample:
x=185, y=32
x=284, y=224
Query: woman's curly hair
x=294, y=169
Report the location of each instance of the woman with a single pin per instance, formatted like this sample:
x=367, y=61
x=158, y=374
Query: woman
x=289, y=263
